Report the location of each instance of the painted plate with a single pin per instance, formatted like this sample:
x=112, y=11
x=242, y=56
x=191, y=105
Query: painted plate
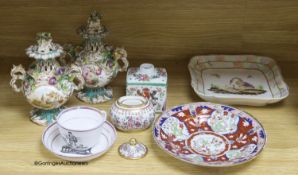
x=237, y=79
x=209, y=134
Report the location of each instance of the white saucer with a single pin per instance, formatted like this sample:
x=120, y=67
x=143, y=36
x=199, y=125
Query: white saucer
x=53, y=141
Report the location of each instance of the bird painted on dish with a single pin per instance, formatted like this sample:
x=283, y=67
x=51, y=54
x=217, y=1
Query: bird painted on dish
x=238, y=83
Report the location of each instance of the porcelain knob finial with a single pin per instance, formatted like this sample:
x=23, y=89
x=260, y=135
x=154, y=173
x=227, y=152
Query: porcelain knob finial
x=133, y=141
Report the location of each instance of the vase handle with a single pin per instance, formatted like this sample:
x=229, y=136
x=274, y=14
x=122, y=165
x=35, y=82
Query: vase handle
x=121, y=54
x=17, y=73
x=78, y=79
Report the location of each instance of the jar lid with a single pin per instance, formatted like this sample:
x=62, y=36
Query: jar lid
x=132, y=149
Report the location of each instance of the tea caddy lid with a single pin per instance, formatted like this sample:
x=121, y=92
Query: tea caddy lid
x=146, y=74
x=44, y=49
x=133, y=150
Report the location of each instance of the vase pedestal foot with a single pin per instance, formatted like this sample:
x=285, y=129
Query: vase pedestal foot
x=44, y=117
x=95, y=95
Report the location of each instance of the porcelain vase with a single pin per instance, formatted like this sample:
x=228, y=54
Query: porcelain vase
x=99, y=62
x=46, y=84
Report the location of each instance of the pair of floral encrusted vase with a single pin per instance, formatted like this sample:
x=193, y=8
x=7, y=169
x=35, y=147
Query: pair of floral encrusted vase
x=49, y=81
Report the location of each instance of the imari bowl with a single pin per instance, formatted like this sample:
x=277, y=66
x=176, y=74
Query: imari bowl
x=209, y=134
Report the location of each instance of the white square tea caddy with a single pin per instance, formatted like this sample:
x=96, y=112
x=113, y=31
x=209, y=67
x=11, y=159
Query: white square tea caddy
x=149, y=82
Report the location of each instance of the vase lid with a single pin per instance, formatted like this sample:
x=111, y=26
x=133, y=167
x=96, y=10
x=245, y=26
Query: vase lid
x=93, y=30
x=45, y=48
x=133, y=149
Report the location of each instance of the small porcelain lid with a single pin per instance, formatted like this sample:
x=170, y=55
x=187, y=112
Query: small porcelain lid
x=132, y=149
x=146, y=74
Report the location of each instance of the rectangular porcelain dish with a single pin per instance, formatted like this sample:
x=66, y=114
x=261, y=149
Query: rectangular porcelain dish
x=237, y=79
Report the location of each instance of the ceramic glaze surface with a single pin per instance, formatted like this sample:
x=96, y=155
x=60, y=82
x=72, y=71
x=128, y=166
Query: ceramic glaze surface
x=132, y=113
x=81, y=118
x=209, y=134
x=149, y=82
x=132, y=150
x=100, y=63
x=46, y=84
x=54, y=142
x=237, y=79
x=80, y=127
